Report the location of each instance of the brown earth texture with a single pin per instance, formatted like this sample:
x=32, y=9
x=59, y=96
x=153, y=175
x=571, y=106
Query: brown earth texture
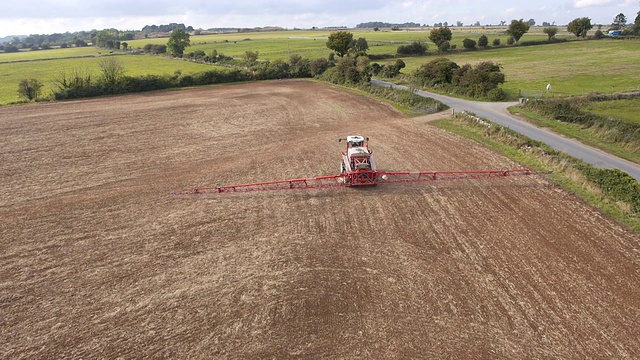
x=99, y=260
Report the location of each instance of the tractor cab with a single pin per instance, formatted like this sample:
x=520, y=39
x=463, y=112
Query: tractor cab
x=358, y=161
x=356, y=141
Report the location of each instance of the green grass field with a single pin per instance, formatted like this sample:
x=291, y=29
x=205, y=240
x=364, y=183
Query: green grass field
x=48, y=70
x=627, y=109
x=573, y=68
x=312, y=43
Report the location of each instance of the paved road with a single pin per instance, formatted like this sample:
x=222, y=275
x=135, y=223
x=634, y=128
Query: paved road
x=497, y=112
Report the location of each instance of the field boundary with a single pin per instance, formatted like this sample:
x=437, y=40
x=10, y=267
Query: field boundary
x=569, y=172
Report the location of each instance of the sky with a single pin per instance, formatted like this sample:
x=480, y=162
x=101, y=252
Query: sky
x=58, y=16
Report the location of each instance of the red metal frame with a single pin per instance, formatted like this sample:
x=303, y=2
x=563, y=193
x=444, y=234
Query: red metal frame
x=359, y=177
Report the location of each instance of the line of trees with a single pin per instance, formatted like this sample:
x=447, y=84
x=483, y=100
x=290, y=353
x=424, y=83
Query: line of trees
x=481, y=80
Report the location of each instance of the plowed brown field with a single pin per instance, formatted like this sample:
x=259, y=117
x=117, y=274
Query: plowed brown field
x=98, y=260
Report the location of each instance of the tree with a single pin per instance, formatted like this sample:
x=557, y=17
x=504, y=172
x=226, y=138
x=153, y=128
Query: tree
x=11, y=48
x=636, y=24
x=483, y=41
x=30, y=89
x=415, y=48
x=619, y=21
x=437, y=71
x=469, y=44
x=439, y=35
x=551, y=31
x=580, y=26
x=599, y=34
x=178, y=41
x=444, y=46
x=360, y=46
x=478, y=80
x=531, y=22
x=107, y=39
x=517, y=28
x=340, y=42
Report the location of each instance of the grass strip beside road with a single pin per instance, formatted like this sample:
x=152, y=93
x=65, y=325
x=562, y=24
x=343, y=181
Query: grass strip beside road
x=540, y=157
x=587, y=136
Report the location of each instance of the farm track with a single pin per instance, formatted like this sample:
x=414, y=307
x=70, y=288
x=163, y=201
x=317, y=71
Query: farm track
x=98, y=260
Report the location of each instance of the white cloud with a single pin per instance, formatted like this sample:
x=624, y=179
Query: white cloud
x=49, y=16
x=579, y=4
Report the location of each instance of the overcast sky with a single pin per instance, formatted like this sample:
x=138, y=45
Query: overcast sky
x=20, y=17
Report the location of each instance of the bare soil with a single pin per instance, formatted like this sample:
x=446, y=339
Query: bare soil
x=98, y=260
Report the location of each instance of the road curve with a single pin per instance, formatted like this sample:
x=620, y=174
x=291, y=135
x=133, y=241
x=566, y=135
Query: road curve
x=497, y=112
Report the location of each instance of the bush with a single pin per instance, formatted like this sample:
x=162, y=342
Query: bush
x=349, y=70
x=418, y=105
x=570, y=110
x=376, y=68
x=155, y=49
x=416, y=48
x=469, y=44
x=496, y=94
x=30, y=89
x=511, y=41
x=541, y=42
x=299, y=66
x=483, y=41
x=10, y=48
x=318, y=67
x=444, y=46
x=496, y=42
x=615, y=183
x=437, y=71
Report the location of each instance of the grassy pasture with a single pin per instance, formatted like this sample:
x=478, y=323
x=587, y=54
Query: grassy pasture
x=312, y=43
x=48, y=70
x=573, y=68
x=626, y=109
x=56, y=53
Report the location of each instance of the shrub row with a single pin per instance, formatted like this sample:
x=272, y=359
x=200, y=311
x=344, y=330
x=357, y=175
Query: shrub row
x=417, y=105
x=479, y=81
x=130, y=84
x=84, y=86
x=616, y=183
x=569, y=110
